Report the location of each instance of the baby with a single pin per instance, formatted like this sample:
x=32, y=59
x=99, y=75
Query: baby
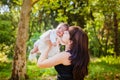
x=51, y=37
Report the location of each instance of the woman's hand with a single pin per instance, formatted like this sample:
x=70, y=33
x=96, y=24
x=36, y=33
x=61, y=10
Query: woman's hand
x=66, y=36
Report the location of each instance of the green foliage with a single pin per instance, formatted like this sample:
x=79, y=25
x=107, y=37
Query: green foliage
x=100, y=26
x=8, y=25
x=3, y=57
x=5, y=70
x=40, y=74
x=6, y=32
x=62, y=11
x=104, y=68
x=111, y=59
x=96, y=20
x=94, y=16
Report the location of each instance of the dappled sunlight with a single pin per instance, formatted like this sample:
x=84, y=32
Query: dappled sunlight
x=95, y=59
x=111, y=59
x=3, y=57
x=100, y=19
x=104, y=68
x=40, y=74
x=106, y=59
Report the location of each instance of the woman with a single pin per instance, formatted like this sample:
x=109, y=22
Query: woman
x=71, y=64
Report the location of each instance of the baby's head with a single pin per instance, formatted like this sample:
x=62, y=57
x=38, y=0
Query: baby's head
x=61, y=28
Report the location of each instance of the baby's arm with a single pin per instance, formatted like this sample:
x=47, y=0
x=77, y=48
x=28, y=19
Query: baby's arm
x=35, y=48
x=60, y=41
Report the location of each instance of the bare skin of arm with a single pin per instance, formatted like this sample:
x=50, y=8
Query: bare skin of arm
x=61, y=58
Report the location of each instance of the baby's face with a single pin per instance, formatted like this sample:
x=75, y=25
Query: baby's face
x=60, y=31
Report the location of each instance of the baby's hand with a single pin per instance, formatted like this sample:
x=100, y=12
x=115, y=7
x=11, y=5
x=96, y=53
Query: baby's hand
x=66, y=36
x=54, y=44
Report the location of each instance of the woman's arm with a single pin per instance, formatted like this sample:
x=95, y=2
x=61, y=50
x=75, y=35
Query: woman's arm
x=62, y=58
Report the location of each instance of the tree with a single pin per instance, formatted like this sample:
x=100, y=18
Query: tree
x=19, y=63
x=116, y=44
x=103, y=27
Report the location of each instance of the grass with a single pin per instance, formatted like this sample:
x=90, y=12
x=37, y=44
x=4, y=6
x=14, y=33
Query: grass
x=5, y=71
x=33, y=72
x=36, y=73
x=104, y=68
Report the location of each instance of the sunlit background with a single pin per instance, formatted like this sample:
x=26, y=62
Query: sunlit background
x=100, y=19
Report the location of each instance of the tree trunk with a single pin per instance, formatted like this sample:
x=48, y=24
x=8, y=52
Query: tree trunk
x=19, y=63
x=116, y=45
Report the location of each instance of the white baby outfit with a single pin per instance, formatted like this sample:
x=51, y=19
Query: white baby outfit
x=42, y=45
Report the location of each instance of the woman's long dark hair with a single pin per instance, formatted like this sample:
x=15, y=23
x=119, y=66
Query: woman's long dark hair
x=79, y=52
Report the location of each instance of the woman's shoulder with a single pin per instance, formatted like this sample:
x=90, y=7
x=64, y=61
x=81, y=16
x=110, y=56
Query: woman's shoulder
x=65, y=57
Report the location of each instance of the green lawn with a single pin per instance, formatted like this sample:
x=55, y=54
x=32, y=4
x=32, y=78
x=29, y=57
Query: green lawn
x=105, y=68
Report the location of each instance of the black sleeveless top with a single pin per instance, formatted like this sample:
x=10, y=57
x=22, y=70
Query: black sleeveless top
x=64, y=72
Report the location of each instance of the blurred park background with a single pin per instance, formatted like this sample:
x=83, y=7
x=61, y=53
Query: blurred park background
x=100, y=19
